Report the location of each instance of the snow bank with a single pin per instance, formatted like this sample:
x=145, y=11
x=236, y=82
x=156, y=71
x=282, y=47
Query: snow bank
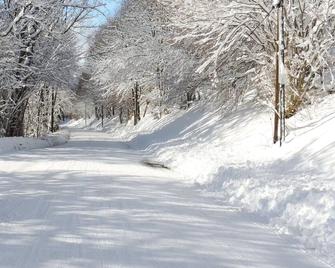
x=294, y=187
x=233, y=157
x=146, y=128
x=8, y=145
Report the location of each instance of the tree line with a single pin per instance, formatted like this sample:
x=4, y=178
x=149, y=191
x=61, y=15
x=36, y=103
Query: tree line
x=220, y=51
x=38, y=62
x=157, y=54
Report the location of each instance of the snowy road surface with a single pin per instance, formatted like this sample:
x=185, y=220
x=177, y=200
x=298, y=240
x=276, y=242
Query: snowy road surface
x=91, y=203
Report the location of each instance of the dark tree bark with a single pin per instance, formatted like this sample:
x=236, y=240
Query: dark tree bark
x=136, y=104
x=121, y=115
x=15, y=124
x=27, y=35
x=39, y=111
x=97, y=114
x=102, y=115
x=146, y=108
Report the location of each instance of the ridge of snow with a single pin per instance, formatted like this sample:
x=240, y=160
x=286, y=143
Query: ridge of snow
x=14, y=144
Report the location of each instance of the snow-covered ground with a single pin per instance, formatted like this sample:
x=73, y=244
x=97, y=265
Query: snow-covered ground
x=233, y=158
x=93, y=203
x=8, y=145
x=292, y=187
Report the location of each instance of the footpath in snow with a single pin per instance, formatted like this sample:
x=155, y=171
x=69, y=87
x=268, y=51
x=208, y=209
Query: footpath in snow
x=92, y=203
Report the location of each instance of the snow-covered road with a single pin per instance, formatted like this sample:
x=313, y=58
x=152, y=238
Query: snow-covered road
x=92, y=203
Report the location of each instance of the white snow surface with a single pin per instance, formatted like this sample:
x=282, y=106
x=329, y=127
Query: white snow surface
x=93, y=203
x=232, y=158
x=13, y=144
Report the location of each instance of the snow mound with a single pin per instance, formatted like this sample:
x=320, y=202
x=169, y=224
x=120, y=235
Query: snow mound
x=8, y=145
x=233, y=157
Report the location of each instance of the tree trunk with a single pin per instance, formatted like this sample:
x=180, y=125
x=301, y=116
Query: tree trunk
x=146, y=108
x=121, y=115
x=102, y=115
x=15, y=124
x=39, y=109
x=27, y=37
x=189, y=99
x=45, y=111
x=96, y=110
x=136, y=103
x=128, y=114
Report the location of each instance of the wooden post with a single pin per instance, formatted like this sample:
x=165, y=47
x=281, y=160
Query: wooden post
x=282, y=82
x=277, y=86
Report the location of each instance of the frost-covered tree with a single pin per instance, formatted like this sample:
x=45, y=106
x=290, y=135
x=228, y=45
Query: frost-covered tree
x=37, y=40
x=236, y=42
x=220, y=49
x=135, y=48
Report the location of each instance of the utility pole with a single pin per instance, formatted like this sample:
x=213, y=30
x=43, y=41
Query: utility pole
x=277, y=88
x=279, y=120
x=282, y=76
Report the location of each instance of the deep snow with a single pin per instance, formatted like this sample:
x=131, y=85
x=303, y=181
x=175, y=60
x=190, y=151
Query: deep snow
x=8, y=145
x=92, y=203
x=233, y=158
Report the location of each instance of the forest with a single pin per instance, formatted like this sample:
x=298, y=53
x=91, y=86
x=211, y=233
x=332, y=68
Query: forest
x=156, y=54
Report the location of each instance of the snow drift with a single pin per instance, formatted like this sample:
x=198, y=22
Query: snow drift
x=232, y=157
x=293, y=187
x=8, y=145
